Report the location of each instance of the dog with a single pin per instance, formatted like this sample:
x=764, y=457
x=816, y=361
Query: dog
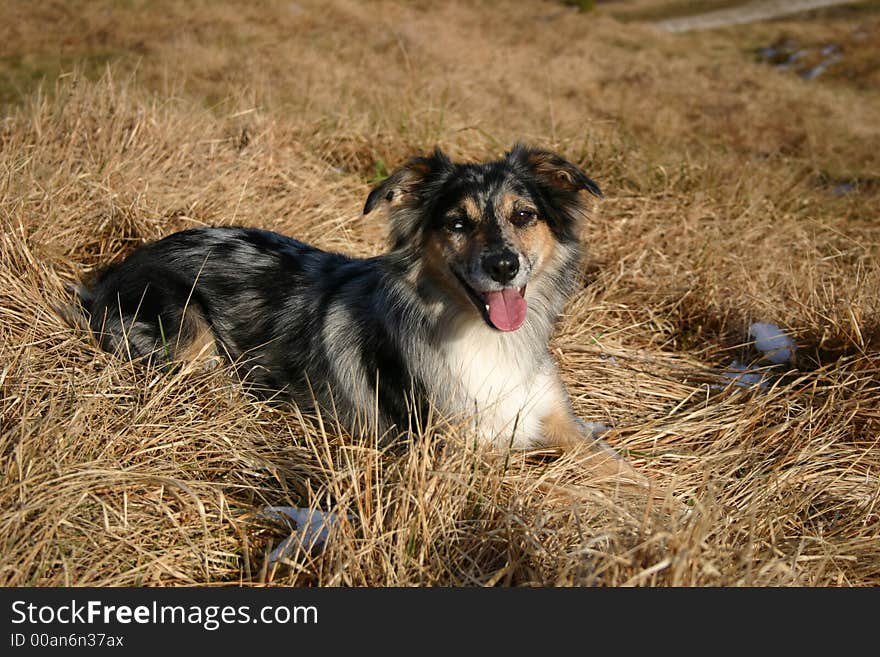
x=454, y=318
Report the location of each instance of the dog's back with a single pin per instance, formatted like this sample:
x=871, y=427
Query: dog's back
x=299, y=323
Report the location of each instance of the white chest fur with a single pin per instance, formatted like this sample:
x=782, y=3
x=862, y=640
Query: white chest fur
x=500, y=384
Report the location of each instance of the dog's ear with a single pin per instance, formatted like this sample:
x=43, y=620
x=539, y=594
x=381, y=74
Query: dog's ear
x=405, y=182
x=552, y=170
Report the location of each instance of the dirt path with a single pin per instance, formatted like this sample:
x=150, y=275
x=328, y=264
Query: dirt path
x=750, y=13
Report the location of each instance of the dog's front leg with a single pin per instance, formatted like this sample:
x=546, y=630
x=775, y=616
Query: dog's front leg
x=563, y=430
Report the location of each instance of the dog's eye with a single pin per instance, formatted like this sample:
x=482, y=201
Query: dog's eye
x=523, y=217
x=457, y=224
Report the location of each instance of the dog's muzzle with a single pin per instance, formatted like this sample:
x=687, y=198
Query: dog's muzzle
x=504, y=309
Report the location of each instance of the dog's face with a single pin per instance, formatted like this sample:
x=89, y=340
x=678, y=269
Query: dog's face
x=484, y=231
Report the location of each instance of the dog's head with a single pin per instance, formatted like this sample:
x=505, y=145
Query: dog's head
x=486, y=230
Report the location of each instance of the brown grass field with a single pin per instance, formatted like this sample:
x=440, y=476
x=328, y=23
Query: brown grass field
x=736, y=192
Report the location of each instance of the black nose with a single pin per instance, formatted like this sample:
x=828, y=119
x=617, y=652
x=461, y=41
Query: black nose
x=502, y=267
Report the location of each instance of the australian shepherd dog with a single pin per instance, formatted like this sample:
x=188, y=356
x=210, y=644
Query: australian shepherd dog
x=454, y=318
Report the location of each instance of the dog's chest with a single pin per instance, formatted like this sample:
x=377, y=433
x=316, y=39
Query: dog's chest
x=499, y=384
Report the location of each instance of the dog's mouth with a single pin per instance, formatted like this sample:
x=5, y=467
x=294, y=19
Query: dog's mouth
x=504, y=309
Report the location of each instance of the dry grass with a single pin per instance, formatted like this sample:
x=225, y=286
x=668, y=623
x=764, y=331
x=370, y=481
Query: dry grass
x=718, y=172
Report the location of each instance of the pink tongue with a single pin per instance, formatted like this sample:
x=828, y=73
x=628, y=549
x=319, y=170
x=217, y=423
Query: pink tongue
x=507, y=309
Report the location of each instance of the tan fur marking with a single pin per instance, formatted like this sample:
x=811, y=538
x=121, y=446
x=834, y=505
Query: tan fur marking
x=562, y=431
x=506, y=204
x=401, y=193
x=551, y=168
x=469, y=205
x=202, y=346
x=539, y=239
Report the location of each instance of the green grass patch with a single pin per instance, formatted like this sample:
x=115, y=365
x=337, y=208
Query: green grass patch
x=22, y=74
